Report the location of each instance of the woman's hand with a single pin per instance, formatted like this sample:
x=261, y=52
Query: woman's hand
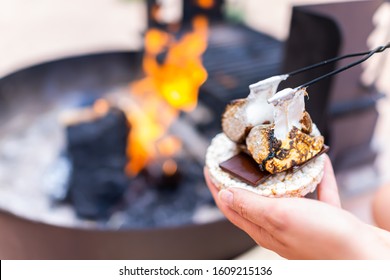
x=301, y=228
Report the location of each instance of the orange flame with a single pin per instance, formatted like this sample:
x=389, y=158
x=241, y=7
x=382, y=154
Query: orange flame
x=205, y=4
x=167, y=89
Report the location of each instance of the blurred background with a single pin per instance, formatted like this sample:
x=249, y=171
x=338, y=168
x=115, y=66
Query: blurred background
x=78, y=105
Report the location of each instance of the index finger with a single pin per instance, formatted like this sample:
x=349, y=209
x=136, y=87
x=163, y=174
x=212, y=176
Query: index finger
x=213, y=189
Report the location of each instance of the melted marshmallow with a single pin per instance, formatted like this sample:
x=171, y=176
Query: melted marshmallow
x=258, y=109
x=289, y=105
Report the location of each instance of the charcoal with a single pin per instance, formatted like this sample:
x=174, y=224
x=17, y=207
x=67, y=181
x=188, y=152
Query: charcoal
x=97, y=151
x=101, y=139
x=95, y=193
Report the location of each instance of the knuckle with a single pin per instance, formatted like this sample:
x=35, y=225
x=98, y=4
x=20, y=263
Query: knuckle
x=242, y=209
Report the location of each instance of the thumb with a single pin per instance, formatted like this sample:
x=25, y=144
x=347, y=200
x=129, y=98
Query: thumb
x=263, y=211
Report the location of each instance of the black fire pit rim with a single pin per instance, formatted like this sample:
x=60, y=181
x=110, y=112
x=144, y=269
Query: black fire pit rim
x=62, y=58
x=26, y=239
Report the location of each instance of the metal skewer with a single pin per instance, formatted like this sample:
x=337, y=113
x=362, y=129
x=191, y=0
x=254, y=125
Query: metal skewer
x=289, y=92
x=367, y=54
x=322, y=63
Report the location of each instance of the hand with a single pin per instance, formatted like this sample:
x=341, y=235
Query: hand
x=301, y=228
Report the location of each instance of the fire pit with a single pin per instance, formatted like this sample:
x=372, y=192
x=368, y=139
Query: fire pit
x=151, y=221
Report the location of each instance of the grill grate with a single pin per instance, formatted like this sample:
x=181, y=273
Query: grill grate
x=236, y=57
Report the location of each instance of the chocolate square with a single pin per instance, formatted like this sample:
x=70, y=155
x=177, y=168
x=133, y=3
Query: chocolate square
x=243, y=167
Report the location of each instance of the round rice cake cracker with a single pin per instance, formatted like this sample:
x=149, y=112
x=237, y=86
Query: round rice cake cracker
x=284, y=184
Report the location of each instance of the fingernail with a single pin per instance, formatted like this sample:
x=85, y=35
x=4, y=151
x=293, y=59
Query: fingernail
x=227, y=197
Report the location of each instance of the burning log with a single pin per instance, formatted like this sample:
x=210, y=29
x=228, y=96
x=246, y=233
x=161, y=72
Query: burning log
x=96, y=145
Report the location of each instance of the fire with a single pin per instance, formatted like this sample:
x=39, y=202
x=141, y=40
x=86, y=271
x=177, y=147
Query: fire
x=205, y=4
x=168, y=146
x=167, y=89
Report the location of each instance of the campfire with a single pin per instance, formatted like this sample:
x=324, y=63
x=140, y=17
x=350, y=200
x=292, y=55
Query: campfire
x=157, y=137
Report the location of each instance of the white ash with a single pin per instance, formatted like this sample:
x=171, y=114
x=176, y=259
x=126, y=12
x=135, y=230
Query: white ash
x=284, y=184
